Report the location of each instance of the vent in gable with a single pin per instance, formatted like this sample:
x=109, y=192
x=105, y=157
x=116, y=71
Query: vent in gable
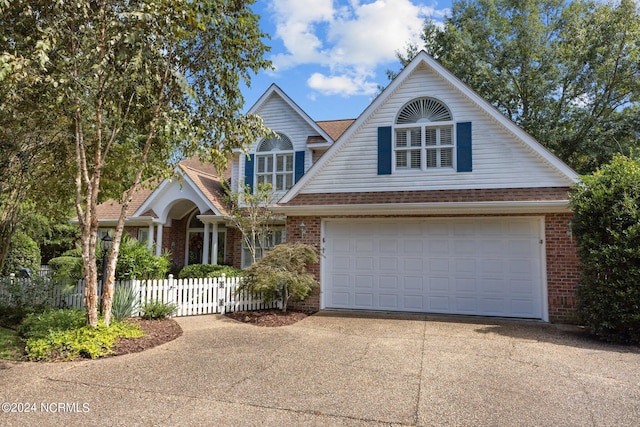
x=424, y=110
x=281, y=143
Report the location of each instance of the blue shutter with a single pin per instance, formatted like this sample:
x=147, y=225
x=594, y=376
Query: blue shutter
x=299, y=165
x=384, y=150
x=463, y=147
x=249, y=162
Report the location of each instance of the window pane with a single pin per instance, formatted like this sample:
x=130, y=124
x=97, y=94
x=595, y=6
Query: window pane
x=430, y=136
x=279, y=182
x=269, y=165
x=279, y=163
x=446, y=136
x=289, y=163
x=416, y=140
x=401, y=138
x=261, y=164
x=431, y=159
x=415, y=159
x=288, y=181
x=446, y=157
x=401, y=159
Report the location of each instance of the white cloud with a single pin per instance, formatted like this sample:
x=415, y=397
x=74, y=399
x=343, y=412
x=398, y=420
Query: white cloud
x=343, y=85
x=349, y=38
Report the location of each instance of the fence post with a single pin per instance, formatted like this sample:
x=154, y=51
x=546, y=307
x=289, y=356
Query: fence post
x=135, y=288
x=171, y=294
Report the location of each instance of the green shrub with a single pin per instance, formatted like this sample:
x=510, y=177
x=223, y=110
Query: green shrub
x=135, y=261
x=208, y=270
x=158, y=310
x=125, y=303
x=64, y=335
x=23, y=253
x=66, y=269
x=282, y=274
x=606, y=226
x=41, y=324
x=20, y=297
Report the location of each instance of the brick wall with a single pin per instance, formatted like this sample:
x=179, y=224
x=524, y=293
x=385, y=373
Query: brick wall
x=561, y=260
x=311, y=237
x=233, y=247
x=562, y=268
x=173, y=240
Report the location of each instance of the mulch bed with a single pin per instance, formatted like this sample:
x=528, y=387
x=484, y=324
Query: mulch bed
x=157, y=332
x=268, y=318
x=160, y=331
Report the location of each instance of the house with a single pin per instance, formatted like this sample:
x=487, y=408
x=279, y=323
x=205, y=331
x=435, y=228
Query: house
x=430, y=201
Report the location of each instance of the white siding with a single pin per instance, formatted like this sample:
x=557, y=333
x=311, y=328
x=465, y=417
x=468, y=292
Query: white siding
x=278, y=115
x=500, y=159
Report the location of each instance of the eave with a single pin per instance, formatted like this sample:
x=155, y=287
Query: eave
x=457, y=208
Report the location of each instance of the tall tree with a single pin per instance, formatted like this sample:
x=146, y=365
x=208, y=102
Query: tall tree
x=141, y=83
x=567, y=72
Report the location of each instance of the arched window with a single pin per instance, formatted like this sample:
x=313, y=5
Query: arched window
x=423, y=136
x=275, y=162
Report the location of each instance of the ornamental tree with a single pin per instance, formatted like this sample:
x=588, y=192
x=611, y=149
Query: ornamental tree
x=282, y=273
x=135, y=86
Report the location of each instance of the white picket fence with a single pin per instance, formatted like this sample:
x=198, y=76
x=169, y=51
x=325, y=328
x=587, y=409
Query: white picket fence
x=191, y=296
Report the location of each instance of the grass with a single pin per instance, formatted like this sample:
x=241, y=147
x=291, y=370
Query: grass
x=11, y=346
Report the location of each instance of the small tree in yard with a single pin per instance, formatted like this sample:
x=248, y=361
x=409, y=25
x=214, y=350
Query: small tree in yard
x=282, y=273
x=606, y=225
x=249, y=212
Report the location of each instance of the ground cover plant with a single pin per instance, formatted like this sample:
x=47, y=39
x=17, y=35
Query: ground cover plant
x=63, y=335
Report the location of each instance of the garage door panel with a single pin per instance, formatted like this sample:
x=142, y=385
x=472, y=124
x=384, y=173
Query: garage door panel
x=388, y=246
x=388, y=301
x=483, y=266
x=340, y=299
x=364, y=263
x=439, y=284
x=389, y=264
x=388, y=282
x=439, y=304
x=412, y=283
x=414, y=302
x=412, y=265
x=341, y=281
x=364, y=300
x=365, y=282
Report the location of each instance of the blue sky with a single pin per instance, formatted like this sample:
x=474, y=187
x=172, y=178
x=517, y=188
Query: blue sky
x=331, y=55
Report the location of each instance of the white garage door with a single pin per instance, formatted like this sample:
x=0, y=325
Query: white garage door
x=478, y=266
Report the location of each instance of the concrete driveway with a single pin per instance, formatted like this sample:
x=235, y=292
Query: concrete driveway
x=340, y=369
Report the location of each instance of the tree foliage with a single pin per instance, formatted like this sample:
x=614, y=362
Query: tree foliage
x=606, y=225
x=282, y=273
x=249, y=212
x=132, y=86
x=566, y=72
x=23, y=253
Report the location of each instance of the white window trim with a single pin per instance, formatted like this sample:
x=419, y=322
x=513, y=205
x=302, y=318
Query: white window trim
x=275, y=172
x=424, y=148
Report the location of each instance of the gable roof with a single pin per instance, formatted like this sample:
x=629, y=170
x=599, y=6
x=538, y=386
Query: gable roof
x=274, y=90
x=423, y=59
x=201, y=177
x=335, y=128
